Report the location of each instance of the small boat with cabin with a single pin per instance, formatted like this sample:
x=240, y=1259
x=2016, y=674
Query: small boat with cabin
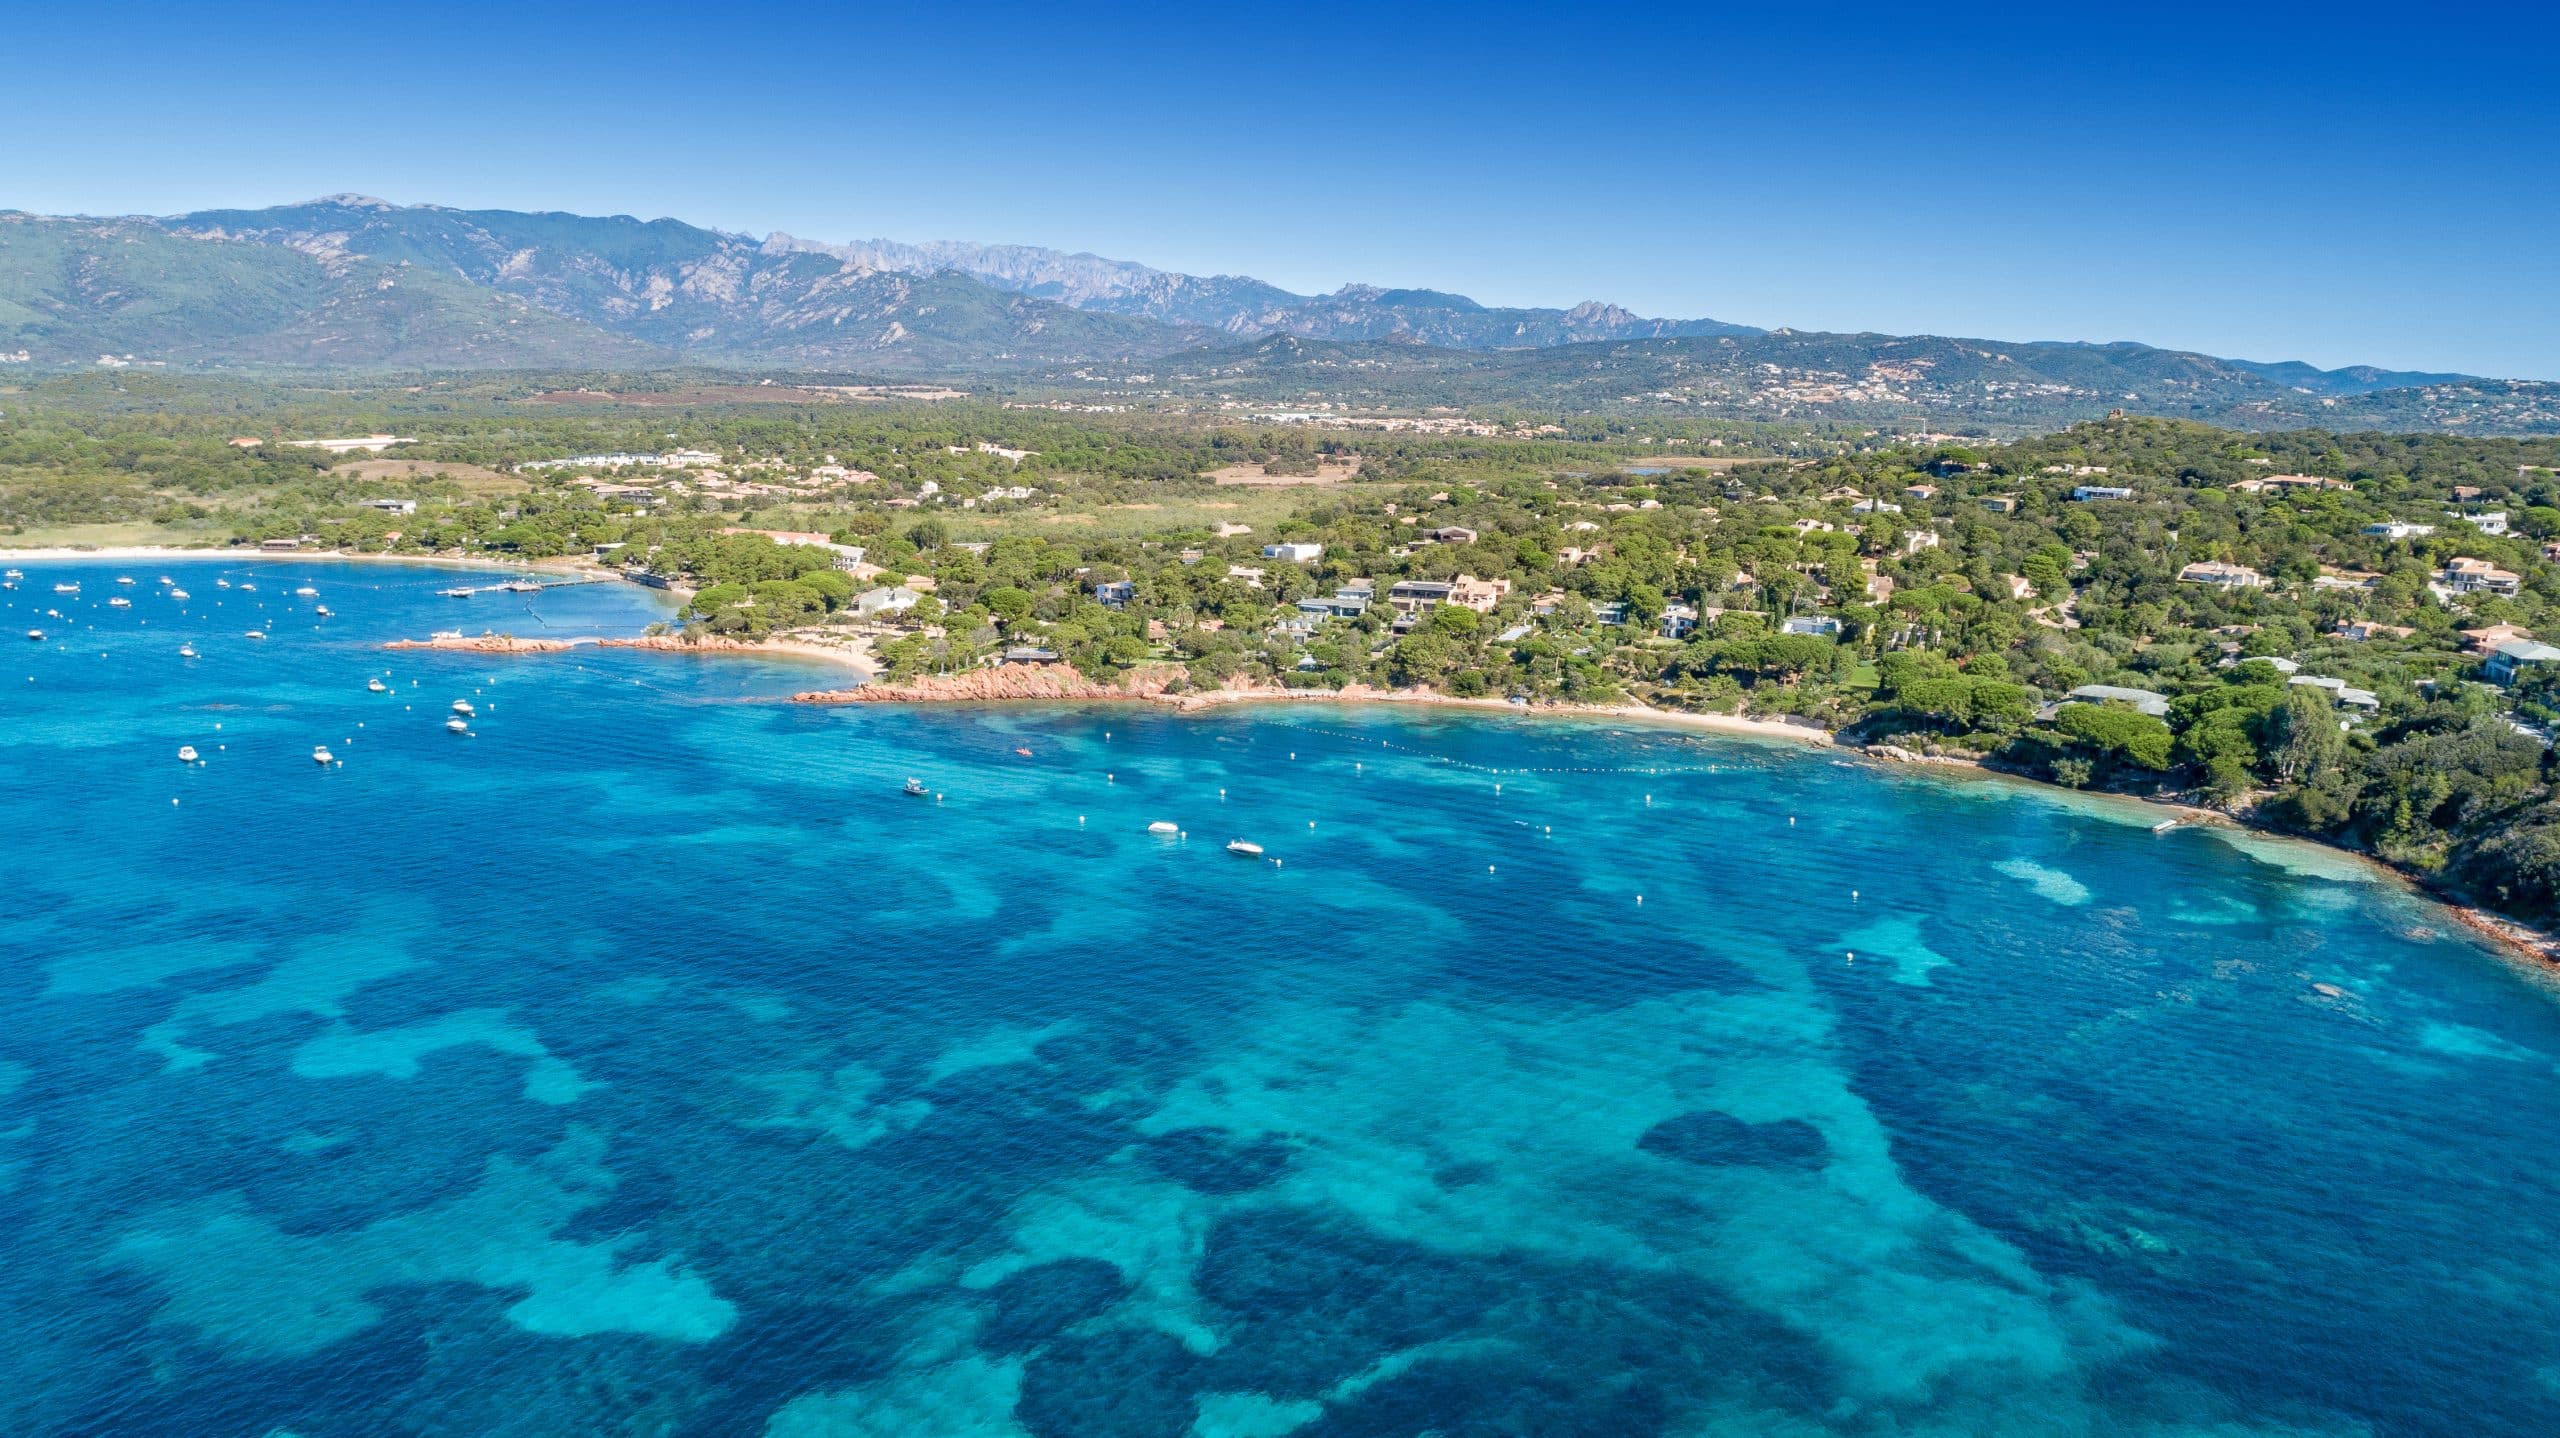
x=376, y=686
x=457, y=725
x=325, y=612
x=187, y=754
x=119, y=602
x=463, y=708
x=255, y=634
x=457, y=592
x=14, y=574
x=186, y=651
x=72, y=588
x=222, y=584
x=1162, y=826
x=179, y=595
x=124, y=579
x=36, y=634
x=320, y=755
x=1245, y=848
x=305, y=592
x=914, y=789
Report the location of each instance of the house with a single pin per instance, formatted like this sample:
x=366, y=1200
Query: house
x=1343, y=605
x=1251, y=576
x=2399, y=529
x=2361, y=630
x=1294, y=553
x=1572, y=558
x=2221, y=575
x=1843, y=495
x=896, y=599
x=2348, y=579
x=371, y=444
x=2000, y=503
x=1679, y=621
x=1919, y=539
x=2155, y=705
x=1822, y=624
x=1613, y=612
x=1875, y=506
x=1453, y=534
x=2508, y=661
x=279, y=545
x=1409, y=595
x=2339, y=691
x=1809, y=526
x=2474, y=576
x=1921, y=492
x=1028, y=654
x=2489, y=637
x=1114, y=593
x=1479, y=595
x=2083, y=493
x=391, y=506
x=2493, y=521
x=2287, y=483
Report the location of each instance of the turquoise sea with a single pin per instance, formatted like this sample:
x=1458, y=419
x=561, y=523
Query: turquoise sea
x=646, y=1063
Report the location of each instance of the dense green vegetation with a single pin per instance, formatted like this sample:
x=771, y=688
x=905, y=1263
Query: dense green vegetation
x=1941, y=599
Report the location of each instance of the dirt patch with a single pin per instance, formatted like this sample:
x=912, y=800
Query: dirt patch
x=1327, y=472
x=469, y=476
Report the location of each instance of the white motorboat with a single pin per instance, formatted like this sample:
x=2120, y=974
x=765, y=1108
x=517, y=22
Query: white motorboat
x=124, y=579
x=119, y=602
x=14, y=574
x=376, y=686
x=914, y=788
x=178, y=594
x=36, y=634
x=457, y=725
x=325, y=612
x=462, y=592
x=463, y=708
x=1162, y=826
x=256, y=634
x=222, y=584
x=71, y=588
x=186, y=651
x=187, y=754
x=320, y=755
x=305, y=592
x=1245, y=847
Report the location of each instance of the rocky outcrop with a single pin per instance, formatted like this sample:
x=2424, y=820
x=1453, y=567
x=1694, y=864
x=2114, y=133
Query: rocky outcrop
x=1011, y=681
x=484, y=644
x=707, y=643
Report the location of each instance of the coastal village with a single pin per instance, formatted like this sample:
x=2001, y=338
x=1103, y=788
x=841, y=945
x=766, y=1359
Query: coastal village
x=2344, y=636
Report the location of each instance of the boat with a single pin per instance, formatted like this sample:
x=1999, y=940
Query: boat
x=376, y=685
x=325, y=612
x=2165, y=825
x=178, y=594
x=119, y=602
x=522, y=586
x=914, y=787
x=463, y=708
x=166, y=581
x=36, y=634
x=222, y=584
x=71, y=588
x=186, y=651
x=305, y=592
x=320, y=755
x=187, y=754
x=1025, y=753
x=256, y=634
x=124, y=579
x=457, y=725
x=1246, y=847
x=1162, y=826
x=14, y=574
x=463, y=592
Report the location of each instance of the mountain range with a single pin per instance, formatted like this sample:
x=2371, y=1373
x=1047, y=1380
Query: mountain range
x=349, y=281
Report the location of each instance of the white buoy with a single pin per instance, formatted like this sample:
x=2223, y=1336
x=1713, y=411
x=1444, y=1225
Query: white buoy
x=1639, y=898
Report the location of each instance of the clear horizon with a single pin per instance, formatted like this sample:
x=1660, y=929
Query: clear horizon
x=2340, y=187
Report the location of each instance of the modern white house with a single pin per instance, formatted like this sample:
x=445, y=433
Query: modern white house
x=896, y=599
x=1294, y=552
x=2222, y=575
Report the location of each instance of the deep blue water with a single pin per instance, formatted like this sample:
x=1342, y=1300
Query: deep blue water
x=645, y=1063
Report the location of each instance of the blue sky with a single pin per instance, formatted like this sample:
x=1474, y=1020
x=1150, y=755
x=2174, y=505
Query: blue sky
x=2343, y=185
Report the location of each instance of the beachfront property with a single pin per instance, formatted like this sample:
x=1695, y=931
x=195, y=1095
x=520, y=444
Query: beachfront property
x=2142, y=700
x=2478, y=576
x=2084, y=493
x=2508, y=661
x=2399, y=529
x=1409, y=595
x=2222, y=575
x=1027, y=654
x=1294, y=552
x=894, y=599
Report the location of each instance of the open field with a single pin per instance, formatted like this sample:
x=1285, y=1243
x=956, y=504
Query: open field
x=1328, y=472
x=474, y=478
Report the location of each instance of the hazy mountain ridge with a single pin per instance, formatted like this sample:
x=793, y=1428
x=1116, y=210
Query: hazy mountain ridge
x=354, y=281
